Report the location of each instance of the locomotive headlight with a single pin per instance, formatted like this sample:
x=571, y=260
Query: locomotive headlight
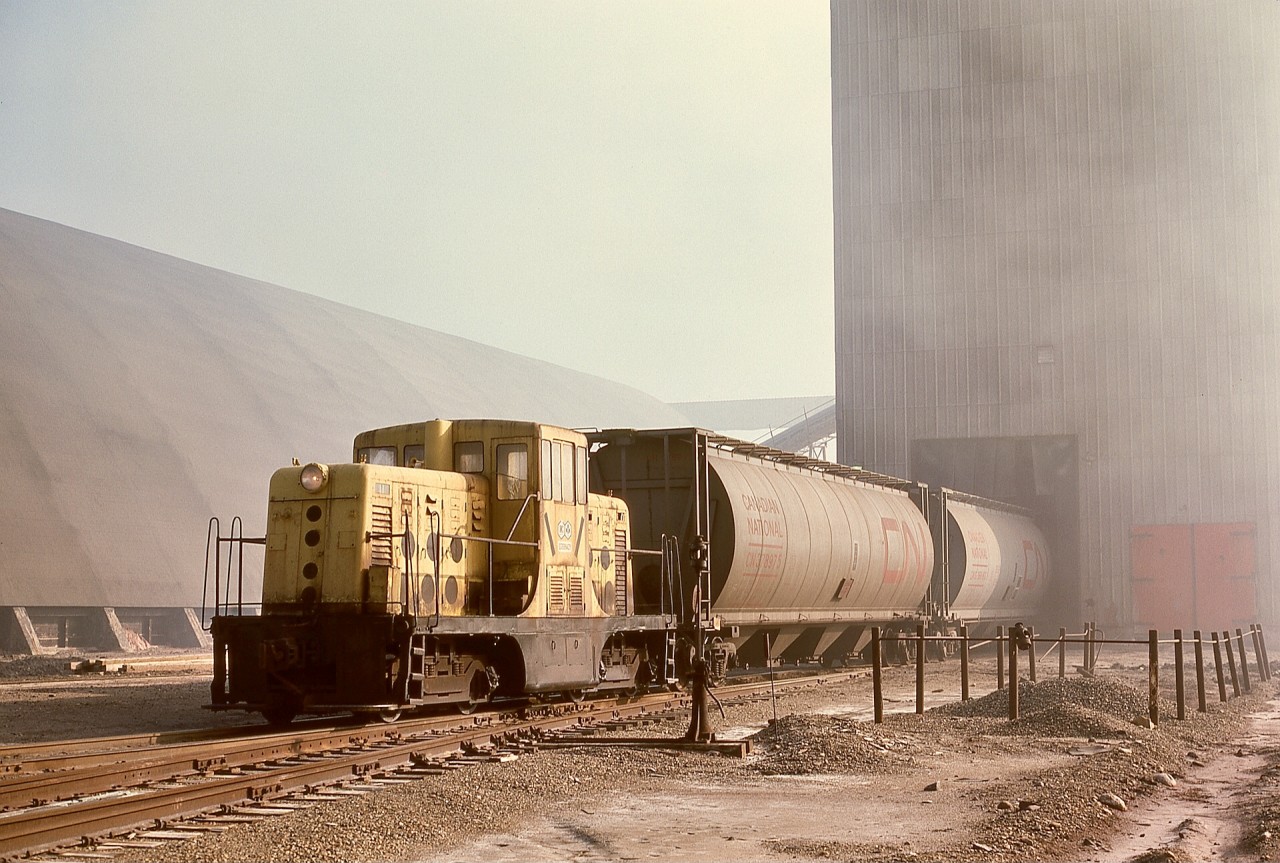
x=314, y=476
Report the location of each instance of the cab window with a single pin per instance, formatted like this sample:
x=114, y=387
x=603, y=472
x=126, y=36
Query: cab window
x=563, y=472
x=414, y=455
x=513, y=471
x=468, y=456
x=557, y=472
x=376, y=455
x=566, y=469
x=546, y=471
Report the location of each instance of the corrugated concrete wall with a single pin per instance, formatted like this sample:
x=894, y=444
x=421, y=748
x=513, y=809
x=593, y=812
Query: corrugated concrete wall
x=1062, y=218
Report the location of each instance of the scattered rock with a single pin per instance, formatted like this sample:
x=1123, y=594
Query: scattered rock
x=932, y=786
x=1143, y=721
x=1094, y=749
x=983, y=847
x=1164, y=779
x=1111, y=801
x=1005, y=806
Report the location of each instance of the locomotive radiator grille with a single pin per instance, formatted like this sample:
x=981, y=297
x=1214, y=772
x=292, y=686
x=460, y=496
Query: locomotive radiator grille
x=620, y=572
x=577, y=593
x=555, y=589
x=381, y=550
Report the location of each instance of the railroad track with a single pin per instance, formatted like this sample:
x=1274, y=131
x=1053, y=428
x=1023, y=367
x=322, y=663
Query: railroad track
x=87, y=792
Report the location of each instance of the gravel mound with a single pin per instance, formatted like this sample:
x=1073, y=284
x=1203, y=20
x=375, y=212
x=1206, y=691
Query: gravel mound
x=800, y=745
x=1068, y=720
x=1100, y=696
x=36, y=667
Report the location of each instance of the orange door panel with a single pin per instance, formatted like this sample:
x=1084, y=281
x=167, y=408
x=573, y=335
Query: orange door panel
x=1225, y=572
x=1163, y=575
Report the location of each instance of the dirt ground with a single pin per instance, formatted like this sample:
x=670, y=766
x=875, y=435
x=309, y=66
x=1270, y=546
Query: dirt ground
x=824, y=783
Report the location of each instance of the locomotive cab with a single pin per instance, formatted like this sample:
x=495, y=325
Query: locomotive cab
x=538, y=509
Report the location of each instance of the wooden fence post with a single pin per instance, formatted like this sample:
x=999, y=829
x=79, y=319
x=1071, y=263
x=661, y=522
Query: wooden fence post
x=1201, y=705
x=876, y=687
x=1179, y=687
x=1217, y=664
x=1153, y=677
x=1244, y=662
x=999, y=657
x=920, y=668
x=1013, y=677
x=1266, y=659
x=964, y=663
x=1062, y=651
x=1231, y=661
x=1031, y=654
x=1257, y=652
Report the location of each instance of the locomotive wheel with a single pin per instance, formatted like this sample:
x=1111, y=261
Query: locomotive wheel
x=279, y=714
x=387, y=716
x=575, y=695
x=477, y=693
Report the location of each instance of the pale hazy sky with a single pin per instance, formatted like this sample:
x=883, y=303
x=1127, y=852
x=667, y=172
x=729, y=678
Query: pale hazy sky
x=640, y=190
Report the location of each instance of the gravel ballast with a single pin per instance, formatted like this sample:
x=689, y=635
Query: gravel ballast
x=995, y=790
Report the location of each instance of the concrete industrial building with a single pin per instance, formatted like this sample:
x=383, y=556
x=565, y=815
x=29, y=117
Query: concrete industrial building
x=1058, y=281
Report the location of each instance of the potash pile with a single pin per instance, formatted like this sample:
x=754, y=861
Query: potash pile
x=1070, y=707
x=801, y=745
x=37, y=667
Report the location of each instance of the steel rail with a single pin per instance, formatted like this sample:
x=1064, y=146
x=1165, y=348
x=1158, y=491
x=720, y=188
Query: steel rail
x=68, y=775
x=41, y=827
x=57, y=754
x=291, y=761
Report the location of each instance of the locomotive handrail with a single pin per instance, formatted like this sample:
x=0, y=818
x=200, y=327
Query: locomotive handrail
x=483, y=539
x=491, y=541
x=214, y=539
x=524, y=506
x=409, y=584
x=435, y=524
x=670, y=564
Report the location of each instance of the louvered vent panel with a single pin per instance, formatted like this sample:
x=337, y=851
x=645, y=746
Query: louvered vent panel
x=577, y=599
x=555, y=589
x=381, y=551
x=620, y=571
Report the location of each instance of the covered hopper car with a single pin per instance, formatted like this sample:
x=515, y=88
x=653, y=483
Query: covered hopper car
x=453, y=562
x=806, y=555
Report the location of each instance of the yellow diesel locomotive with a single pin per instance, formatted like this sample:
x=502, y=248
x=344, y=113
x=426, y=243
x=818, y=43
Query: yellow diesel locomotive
x=451, y=562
